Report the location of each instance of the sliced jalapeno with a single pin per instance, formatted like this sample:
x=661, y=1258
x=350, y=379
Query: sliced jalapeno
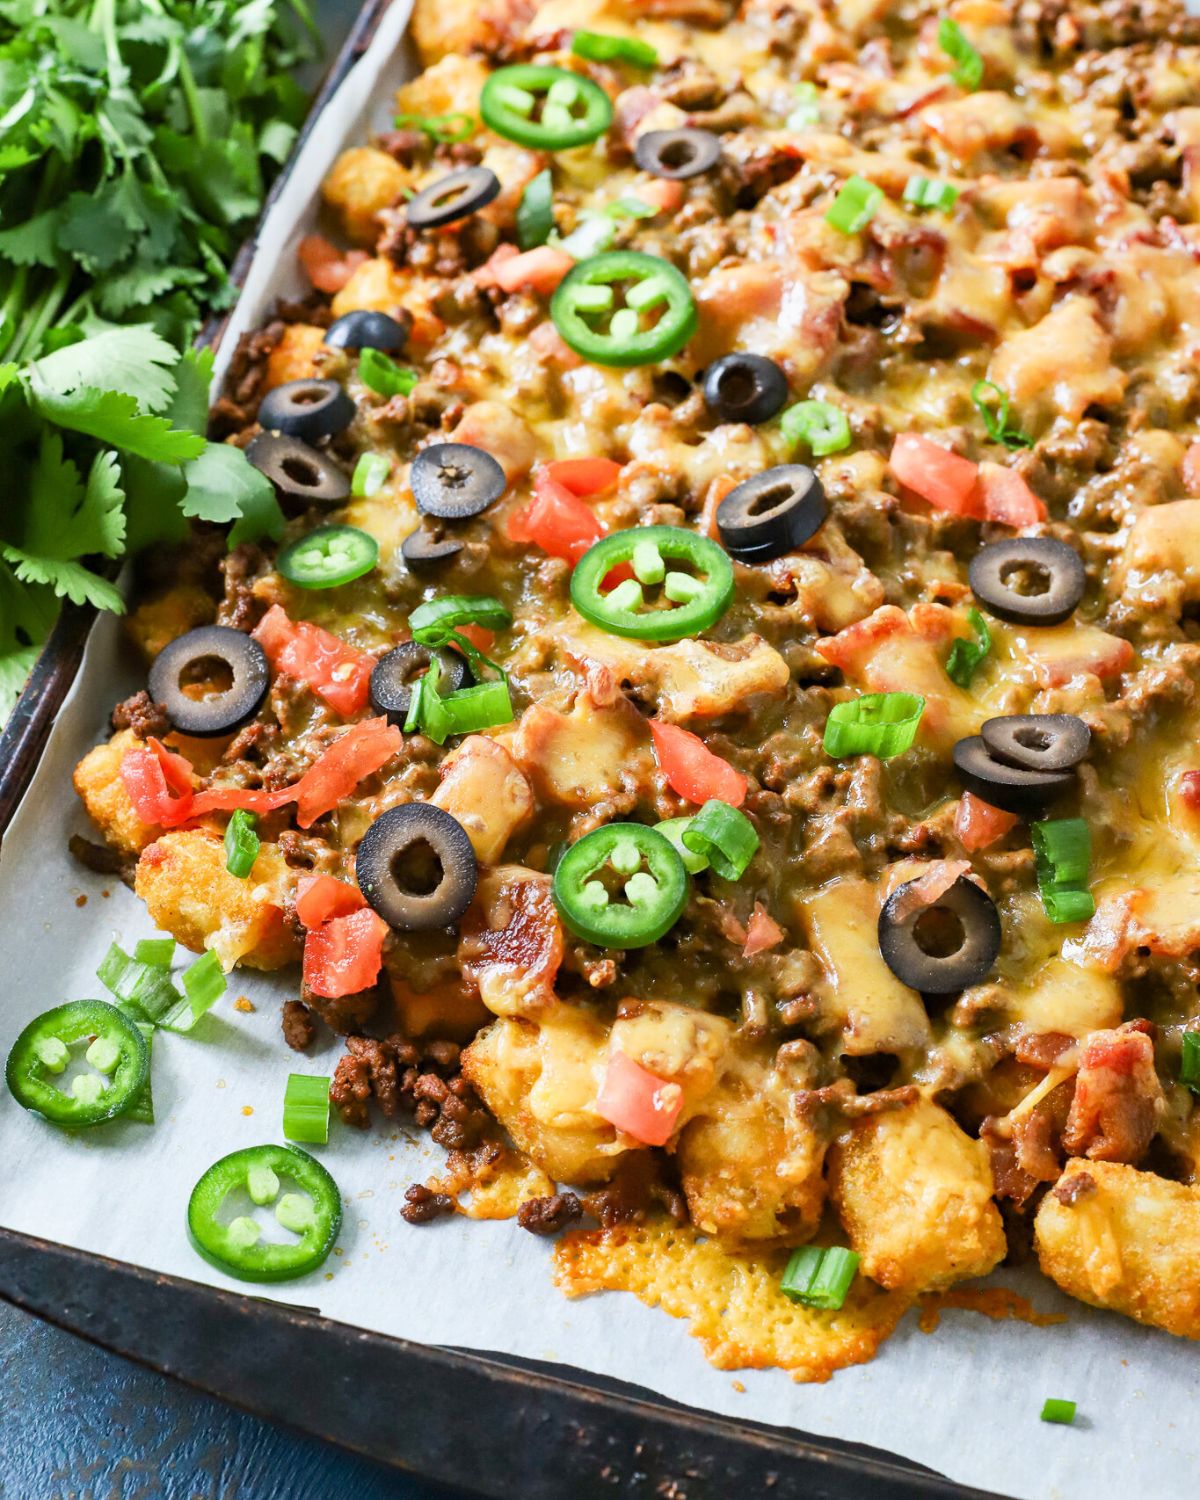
x=306, y=1201
x=661, y=602
x=116, y=1051
x=548, y=109
x=328, y=556
x=652, y=319
x=622, y=886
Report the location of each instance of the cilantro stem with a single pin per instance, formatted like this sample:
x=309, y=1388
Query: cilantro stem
x=190, y=94
x=40, y=316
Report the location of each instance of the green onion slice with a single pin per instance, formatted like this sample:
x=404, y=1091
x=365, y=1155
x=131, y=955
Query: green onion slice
x=855, y=205
x=203, y=985
x=930, y=192
x=158, y=952
x=146, y=988
x=807, y=109
x=306, y=1109
x=992, y=404
x=879, y=724
x=467, y=711
x=1062, y=849
x=966, y=655
x=431, y=623
x=600, y=46
x=383, y=375
x=724, y=835
x=1189, y=1061
x=1058, y=1411
x=370, y=475
x=535, y=212
x=968, y=69
x=241, y=843
x=821, y=427
x=819, y=1278
x=448, y=129
x=673, y=830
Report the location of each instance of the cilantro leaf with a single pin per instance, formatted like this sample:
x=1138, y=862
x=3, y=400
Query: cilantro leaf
x=223, y=485
x=69, y=580
x=152, y=495
x=193, y=377
x=134, y=360
x=34, y=243
x=113, y=417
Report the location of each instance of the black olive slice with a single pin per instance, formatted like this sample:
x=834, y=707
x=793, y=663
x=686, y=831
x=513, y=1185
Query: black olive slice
x=677, y=153
x=1013, y=788
x=426, y=548
x=190, y=660
x=1028, y=580
x=455, y=480
x=942, y=947
x=394, y=674
x=744, y=388
x=1037, y=742
x=416, y=867
x=367, y=330
x=308, y=409
x=297, y=471
x=770, y=514
x=452, y=197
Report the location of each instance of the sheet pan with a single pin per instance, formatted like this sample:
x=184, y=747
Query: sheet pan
x=963, y=1401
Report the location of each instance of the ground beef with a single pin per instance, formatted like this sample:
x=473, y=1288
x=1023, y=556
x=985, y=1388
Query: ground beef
x=551, y=1215
x=299, y=1026
x=240, y=609
x=143, y=715
x=423, y=1205
x=1081, y=1185
x=418, y=1079
x=345, y=1014
x=103, y=860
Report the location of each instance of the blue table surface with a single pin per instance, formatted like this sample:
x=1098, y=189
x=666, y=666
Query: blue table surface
x=79, y=1424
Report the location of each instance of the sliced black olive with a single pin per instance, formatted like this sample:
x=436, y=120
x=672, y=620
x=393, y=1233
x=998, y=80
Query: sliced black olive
x=297, y=471
x=770, y=514
x=1028, y=580
x=942, y=947
x=1013, y=788
x=744, y=388
x=394, y=674
x=1037, y=742
x=416, y=867
x=367, y=330
x=455, y=480
x=677, y=153
x=308, y=409
x=213, y=653
x=426, y=547
x=452, y=197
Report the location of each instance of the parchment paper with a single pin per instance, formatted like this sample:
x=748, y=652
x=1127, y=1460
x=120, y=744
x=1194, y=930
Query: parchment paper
x=964, y=1401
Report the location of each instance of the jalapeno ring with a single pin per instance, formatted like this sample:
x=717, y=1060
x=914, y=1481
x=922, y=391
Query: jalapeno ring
x=638, y=862
x=510, y=97
x=693, y=603
x=586, y=315
x=328, y=556
x=41, y=1052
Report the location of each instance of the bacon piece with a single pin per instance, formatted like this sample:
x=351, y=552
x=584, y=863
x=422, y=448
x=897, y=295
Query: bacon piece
x=512, y=941
x=1118, y=1098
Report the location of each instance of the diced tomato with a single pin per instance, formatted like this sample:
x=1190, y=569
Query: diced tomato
x=584, y=476
x=555, y=520
x=335, y=670
x=1005, y=497
x=485, y=275
x=361, y=751
x=150, y=776
x=1189, y=790
x=762, y=932
x=538, y=270
x=344, y=955
x=230, y=798
x=692, y=769
x=320, y=897
x=937, y=475
x=662, y=193
x=327, y=267
x=479, y=636
x=978, y=824
x=639, y=1102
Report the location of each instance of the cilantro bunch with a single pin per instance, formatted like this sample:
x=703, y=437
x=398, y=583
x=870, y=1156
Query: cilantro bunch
x=136, y=137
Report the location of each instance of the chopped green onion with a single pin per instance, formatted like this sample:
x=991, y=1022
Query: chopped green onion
x=1062, y=849
x=724, y=835
x=821, y=427
x=158, y=952
x=433, y=622
x=1189, y=1061
x=673, y=830
x=306, y=1109
x=241, y=843
x=630, y=208
x=535, y=212
x=594, y=234
x=142, y=1108
x=448, y=129
x=992, y=405
x=383, y=375
x=930, y=192
x=370, y=475
x=968, y=70
x=855, y=205
x=879, y=724
x=966, y=655
x=1058, y=1411
x=203, y=984
x=819, y=1278
x=601, y=46
x=467, y=711
x=807, y=110
x=147, y=988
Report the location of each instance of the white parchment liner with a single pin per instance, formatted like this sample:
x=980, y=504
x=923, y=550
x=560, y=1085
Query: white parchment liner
x=964, y=1401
